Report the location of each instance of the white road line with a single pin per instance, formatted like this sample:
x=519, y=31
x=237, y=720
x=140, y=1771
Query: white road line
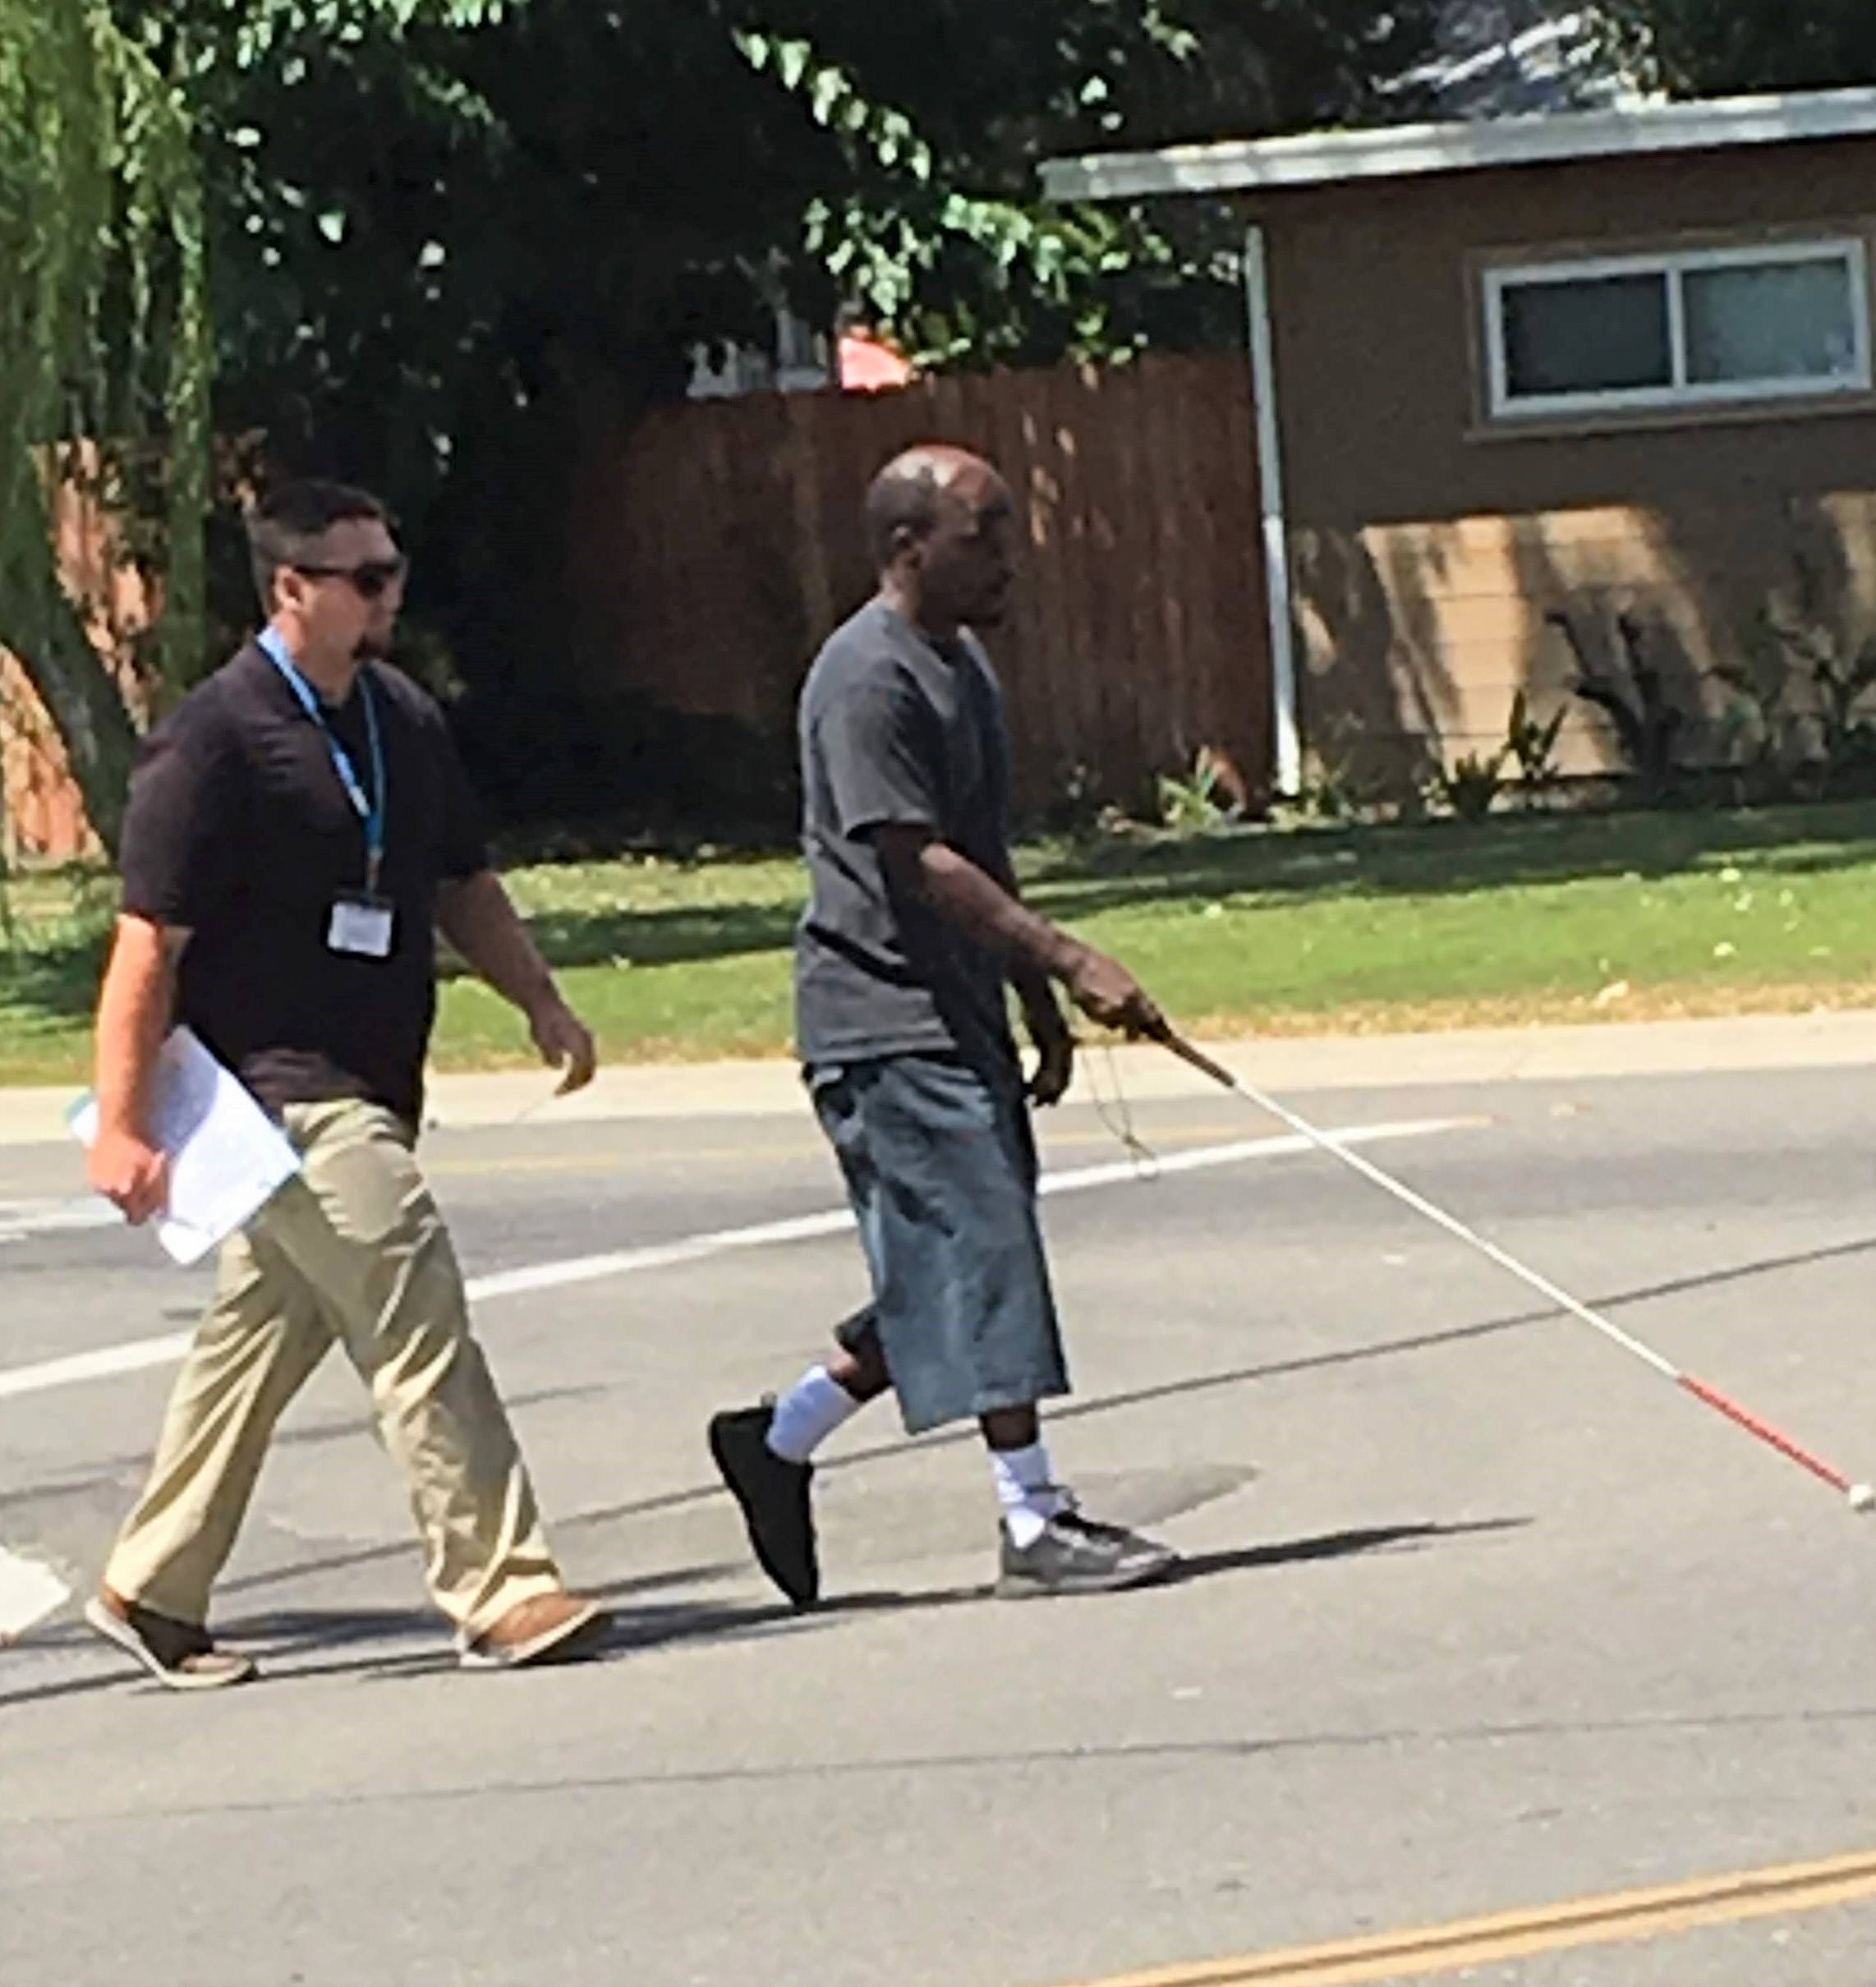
x=29, y=1592
x=105, y=1363
x=108, y=1362
x=20, y=1219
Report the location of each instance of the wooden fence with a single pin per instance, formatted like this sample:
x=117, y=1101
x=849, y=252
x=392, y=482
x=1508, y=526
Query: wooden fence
x=41, y=816
x=719, y=542
x=716, y=544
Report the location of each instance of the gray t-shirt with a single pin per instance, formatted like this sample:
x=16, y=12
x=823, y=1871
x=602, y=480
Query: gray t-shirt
x=898, y=729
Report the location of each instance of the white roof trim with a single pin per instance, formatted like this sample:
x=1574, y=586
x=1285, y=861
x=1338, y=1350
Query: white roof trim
x=1320, y=159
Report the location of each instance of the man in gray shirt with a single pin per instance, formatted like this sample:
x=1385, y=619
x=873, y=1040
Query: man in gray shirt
x=913, y=933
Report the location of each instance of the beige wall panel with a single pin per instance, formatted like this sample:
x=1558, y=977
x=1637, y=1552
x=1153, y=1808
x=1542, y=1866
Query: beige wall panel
x=1380, y=417
x=1399, y=644
x=1429, y=547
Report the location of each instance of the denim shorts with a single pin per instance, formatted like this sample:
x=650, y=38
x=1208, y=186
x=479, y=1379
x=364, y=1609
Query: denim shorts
x=940, y=1167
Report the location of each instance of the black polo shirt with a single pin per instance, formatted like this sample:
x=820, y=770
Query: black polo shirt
x=240, y=830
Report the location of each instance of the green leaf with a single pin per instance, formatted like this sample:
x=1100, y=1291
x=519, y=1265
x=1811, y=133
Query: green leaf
x=830, y=88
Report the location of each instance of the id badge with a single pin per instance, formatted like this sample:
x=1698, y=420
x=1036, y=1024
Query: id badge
x=362, y=928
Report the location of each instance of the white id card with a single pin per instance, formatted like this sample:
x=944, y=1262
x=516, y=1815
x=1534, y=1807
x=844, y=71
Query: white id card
x=361, y=926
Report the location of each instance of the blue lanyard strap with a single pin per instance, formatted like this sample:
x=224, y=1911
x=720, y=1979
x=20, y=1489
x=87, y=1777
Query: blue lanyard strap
x=371, y=811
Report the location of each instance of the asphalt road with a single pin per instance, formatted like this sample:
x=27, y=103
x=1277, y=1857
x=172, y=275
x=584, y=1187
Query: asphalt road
x=1479, y=1615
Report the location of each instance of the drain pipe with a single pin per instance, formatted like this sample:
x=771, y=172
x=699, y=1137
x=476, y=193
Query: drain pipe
x=1286, y=734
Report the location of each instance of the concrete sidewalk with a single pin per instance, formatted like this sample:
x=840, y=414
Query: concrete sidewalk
x=744, y=1089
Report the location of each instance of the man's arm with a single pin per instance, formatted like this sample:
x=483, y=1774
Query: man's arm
x=134, y=1008
x=478, y=917
x=1042, y=1015
x=919, y=865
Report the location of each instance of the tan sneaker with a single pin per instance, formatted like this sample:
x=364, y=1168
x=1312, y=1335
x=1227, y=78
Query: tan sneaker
x=549, y=1628
x=180, y=1655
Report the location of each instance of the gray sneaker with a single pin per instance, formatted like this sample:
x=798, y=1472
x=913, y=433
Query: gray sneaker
x=1076, y=1555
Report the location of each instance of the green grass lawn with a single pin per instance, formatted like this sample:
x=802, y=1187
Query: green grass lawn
x=1545, y=918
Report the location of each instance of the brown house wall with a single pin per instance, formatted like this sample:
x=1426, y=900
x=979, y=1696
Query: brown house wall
x=1430, y=549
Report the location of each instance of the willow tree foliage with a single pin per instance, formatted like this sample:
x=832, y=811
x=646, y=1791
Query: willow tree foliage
x=103, y=365
x=449, y=238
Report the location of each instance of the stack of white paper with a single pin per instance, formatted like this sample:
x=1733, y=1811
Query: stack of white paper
x=227, y=1158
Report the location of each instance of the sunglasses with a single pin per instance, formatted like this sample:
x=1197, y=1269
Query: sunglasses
x=368, y=581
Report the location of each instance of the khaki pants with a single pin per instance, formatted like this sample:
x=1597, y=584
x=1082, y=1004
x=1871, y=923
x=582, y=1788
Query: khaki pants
x=354, y=1249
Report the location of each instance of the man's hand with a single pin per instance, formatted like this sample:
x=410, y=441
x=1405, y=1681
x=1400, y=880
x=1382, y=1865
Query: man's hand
x=1108, y=994
x=565, y=1041
x=477, y=916
x=1054, y=1056
x=135, y=1008
x=131, y=1173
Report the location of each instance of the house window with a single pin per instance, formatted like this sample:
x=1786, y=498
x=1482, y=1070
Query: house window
x=1700, y=327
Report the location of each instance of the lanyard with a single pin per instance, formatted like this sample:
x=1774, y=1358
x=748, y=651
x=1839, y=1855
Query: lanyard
x=370, y=812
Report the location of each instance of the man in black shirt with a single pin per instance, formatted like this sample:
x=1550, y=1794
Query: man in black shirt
x=913, y=935
x=297, y=830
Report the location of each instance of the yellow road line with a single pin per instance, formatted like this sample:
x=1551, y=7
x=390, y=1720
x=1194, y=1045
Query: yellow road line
x=1484, y=1942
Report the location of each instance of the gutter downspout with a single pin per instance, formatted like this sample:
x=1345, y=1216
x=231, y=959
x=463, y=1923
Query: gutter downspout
x=1287, y=736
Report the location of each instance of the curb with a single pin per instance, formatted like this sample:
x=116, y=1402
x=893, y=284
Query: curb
x=773, y=1088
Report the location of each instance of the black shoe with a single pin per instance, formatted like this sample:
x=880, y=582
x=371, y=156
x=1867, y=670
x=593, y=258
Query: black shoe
x=1075, y=1554
x=180, y=1655
x=777, y=1506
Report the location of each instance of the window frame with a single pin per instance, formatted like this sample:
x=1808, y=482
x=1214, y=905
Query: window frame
x=1504, y=409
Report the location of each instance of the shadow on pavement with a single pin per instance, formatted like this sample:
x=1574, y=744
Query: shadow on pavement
x=1521, y=1321
x=1334, y=1545
x=633, y=1631
x=701, y=1622
x=1203, y=1566
x=277, y=1636
x=284, y=1631
x=117, y=1678
x=113, y=1473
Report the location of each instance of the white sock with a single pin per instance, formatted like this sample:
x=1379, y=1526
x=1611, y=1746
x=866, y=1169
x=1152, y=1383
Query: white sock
x=807, y=1413
x=1027, y=1490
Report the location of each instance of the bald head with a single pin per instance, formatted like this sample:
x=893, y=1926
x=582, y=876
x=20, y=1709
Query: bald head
x=937, y=522
x=909, y=496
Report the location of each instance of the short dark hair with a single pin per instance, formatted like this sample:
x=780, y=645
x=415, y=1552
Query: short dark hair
x=284, y=526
